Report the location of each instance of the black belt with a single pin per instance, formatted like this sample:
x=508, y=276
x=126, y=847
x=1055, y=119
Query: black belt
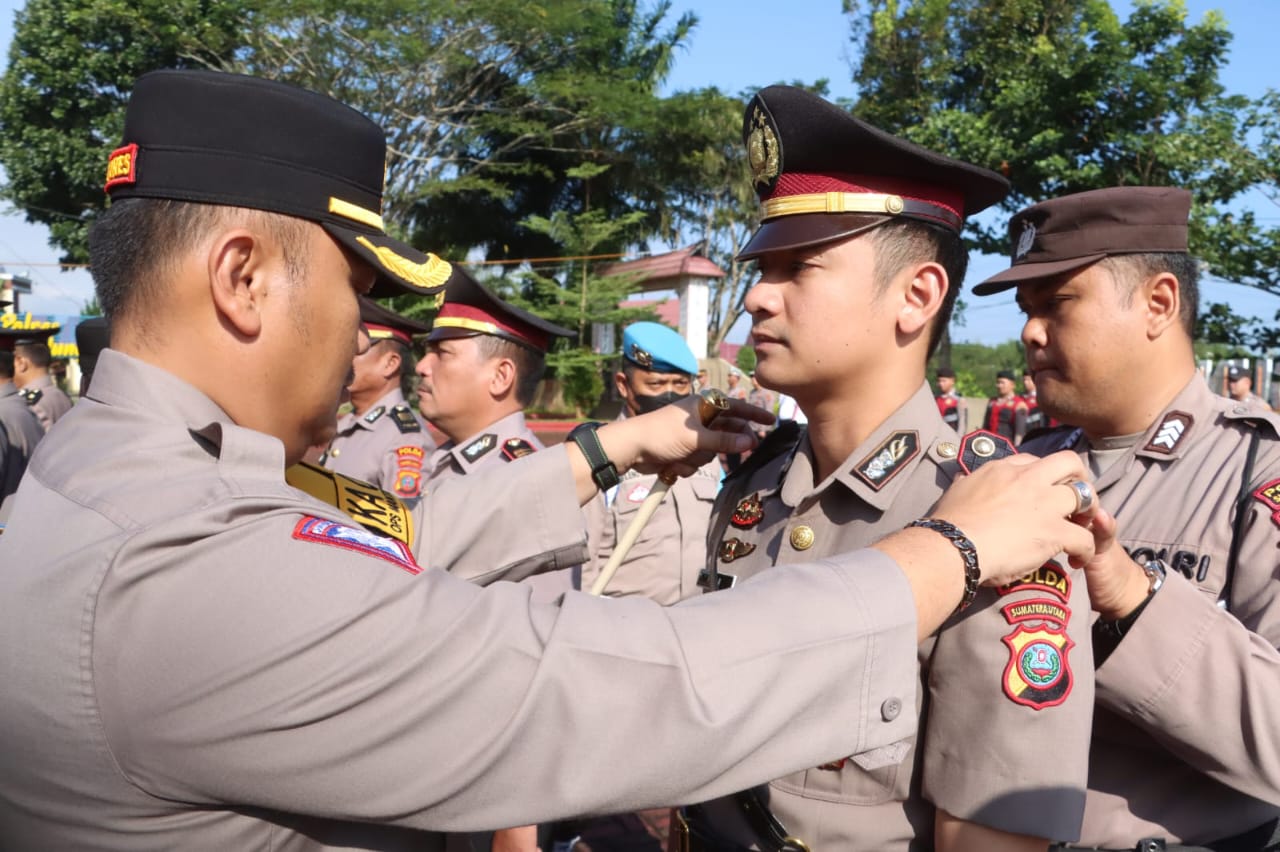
x=1264, y=838
x=695, y=834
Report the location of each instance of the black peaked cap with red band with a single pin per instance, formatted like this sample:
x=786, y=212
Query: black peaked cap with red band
x=823, y=174
x=385, y=324
x=215, y=138
x=470, y=309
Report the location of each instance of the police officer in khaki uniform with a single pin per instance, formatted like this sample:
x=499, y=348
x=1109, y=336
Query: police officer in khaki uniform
x=226, y=663
x=31, y=359
x=658, y=369
x=1185, y=752
x=1240, y=387
x=381, y=440
x=18, y=423
x=860, y=261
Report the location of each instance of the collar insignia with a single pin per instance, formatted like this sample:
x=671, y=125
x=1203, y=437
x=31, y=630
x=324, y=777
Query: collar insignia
x=887, y=459
x=748, y=513
x=734, y=548
x=372, y=416
x=1172, y=429
x=479, y=446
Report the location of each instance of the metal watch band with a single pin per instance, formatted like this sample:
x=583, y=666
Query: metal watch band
x=603, y=472
x=972, y=576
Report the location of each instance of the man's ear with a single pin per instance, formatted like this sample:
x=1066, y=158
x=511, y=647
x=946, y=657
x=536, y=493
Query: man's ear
x=391, y=361
x=620, y=382
x=503, y=378
x=1164, y=303
x=923, y=296
x=237, y=265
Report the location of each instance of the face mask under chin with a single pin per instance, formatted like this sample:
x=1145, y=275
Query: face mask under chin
x=645, y=403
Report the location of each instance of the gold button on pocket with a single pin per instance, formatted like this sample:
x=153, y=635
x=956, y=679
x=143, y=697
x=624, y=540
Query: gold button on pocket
x=802, y=537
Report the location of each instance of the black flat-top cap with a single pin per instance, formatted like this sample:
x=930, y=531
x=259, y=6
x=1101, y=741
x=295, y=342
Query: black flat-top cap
x=823, y=174
x=470, y=309
x=1065, y=234
x=216, y=138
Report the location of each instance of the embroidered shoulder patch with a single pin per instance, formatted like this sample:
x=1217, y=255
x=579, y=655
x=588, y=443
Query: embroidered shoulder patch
x=409, y=470
x=479, y=446
x=1170, y=433
x=404, y=419
x=323, y=531
x=1038, y=674
x=1038, y=609
x=1269, y=496
x=1049, y=577
x=373, y=415
x=886, y=460
x=514, y=448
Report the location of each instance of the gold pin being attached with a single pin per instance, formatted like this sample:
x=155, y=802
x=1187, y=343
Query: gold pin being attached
x=711, y=403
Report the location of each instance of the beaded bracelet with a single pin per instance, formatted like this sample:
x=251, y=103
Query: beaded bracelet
x=972, y=576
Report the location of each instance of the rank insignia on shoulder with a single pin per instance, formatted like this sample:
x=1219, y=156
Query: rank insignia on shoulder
x=748, y=512
x=323, y=531
x=1038, y=674
x=514, y=448
x=722, y=580
x=31, y=395
x=979, y=447
x=1269, y=496
x=1049, y=577
x=1169, y=434
x=479, y=446
x=374, y=414
x=891, y=456
x=403, y=417
x=734, y=548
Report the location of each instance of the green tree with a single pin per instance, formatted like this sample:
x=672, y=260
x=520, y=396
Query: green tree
x=1062, y=96
x=72, y=64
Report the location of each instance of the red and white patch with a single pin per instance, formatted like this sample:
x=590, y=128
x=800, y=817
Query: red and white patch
x=409, y=471
x=637, y=494
x=1269, y=496
x=334, y=534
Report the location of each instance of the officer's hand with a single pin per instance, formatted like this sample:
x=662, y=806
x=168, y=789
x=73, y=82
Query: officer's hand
x=1117, y=584
x=674, y=438
x=1018, y=513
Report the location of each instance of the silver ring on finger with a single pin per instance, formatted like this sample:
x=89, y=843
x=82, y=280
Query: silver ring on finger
x=1084, y=496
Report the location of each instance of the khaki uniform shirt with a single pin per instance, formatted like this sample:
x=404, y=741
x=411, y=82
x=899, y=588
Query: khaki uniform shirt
x=1185, y=742
x=50, y=403
x=980, y=754
x=22, y=431
x=197, y=656
x=672, y=548
x=387, y=446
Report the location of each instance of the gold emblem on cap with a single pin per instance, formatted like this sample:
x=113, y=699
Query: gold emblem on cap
x=802, y=537
x=430, y=274
x=983, y=446
x=893, y=204
x=947, y=450
x=641, y=357
x=762, y=149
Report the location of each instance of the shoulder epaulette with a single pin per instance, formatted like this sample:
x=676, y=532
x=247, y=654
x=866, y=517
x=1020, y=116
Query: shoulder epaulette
x=514, y=448
x=31, y=395
x=781, y=440
x=404, y=419
x=371, y=507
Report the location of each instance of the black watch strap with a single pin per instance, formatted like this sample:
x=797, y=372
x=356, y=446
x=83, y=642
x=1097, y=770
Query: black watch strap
x=603, y=471
x=1107, y=634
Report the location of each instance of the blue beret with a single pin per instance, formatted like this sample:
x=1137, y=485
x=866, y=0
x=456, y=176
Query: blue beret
x=658, y=349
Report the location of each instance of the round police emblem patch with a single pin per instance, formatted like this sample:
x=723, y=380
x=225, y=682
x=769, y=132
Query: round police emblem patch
x=1040, y=664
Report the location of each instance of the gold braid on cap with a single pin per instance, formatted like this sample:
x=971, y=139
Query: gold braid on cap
x=429, y=275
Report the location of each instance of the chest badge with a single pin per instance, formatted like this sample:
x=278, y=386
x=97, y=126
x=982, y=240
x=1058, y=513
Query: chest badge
x=886, y=460
x=734, y=548
x=748, y=512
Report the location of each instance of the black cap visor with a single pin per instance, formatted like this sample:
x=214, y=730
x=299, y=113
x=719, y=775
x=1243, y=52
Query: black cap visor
x=1024, y=272
x=807, y=229
x=401, y=268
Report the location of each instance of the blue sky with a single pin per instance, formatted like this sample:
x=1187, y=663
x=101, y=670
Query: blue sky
x=741, y=45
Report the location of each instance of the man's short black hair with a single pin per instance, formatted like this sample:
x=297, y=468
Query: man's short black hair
x=903, y=242
x=37, y=353
x=531, y=365
x=1136, y=268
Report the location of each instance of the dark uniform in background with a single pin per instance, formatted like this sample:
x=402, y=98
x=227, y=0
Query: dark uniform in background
x=952, y=406
x=1000, y=682
x=1006, y=412
x=1186, y=740
x=384, y=442
x=20, y=428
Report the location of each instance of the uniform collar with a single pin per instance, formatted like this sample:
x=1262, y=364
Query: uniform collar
x=478, y=447
x=8, y=389
x=387, y=402
x=877, y=469
x=45, y=381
